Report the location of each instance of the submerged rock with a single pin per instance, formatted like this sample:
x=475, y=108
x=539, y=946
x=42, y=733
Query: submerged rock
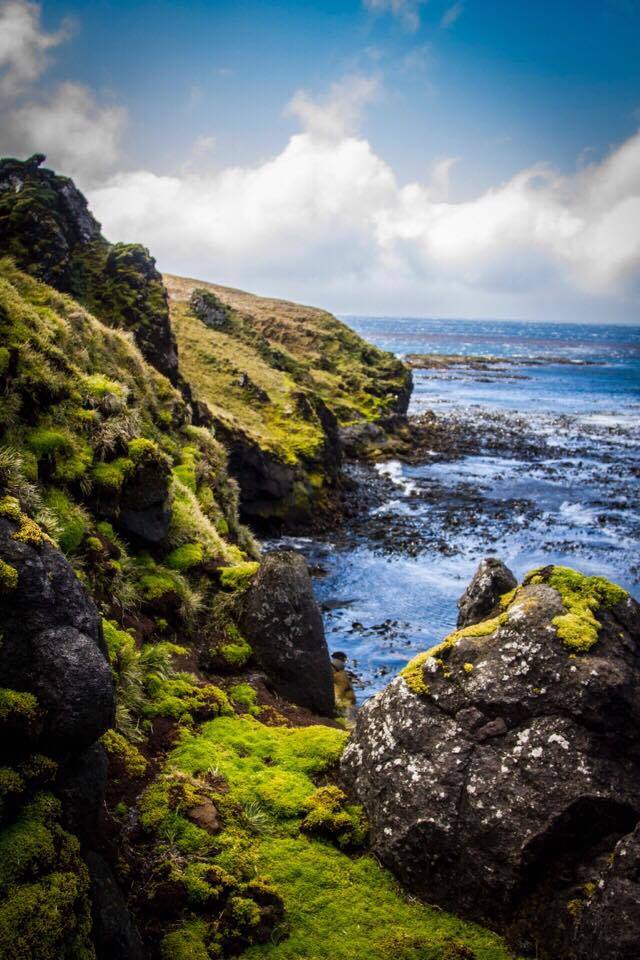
x=282, y=621
x=501, y=769
x=491, y=580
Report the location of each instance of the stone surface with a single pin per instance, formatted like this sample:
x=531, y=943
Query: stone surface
x=114, y=932
x=491, y=580
x=609, y=920
x=282, y=621
x=205, y=816
x=497, y=790
x=53, y=646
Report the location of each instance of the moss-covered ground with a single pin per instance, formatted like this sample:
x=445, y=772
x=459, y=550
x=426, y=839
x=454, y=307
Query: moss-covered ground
x=305, y=842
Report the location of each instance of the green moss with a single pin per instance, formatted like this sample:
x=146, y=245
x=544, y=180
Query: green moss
x=143, y=449
x=99, y=386
x=71, y=454
x=582, y=597
x=28, y=531
x=8, y=577
x=15, y=704
x=182, y=698
x=71, y=520
x=127, y=754
x=330, y=815
x=238, y=577
x=44, y=910
x=185, y=557
x=271, y=764
x=413, y=673
x=339, y=908
x=236, y=652
x=187, y=943
x=5, y=357
x=111, y=475
x=44, y=441
x=243, y=695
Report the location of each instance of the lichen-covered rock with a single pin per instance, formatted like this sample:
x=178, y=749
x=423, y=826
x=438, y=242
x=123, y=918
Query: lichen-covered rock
x=608, y=913
x=491, y=581
x=502, y=763
x=282, y=621
x=52, y=644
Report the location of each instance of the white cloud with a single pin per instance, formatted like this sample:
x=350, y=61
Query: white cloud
x=24, y=45
x=327, y=220
x=79, y=136
x=339, y=113
x=452, y=14
x=407, y=11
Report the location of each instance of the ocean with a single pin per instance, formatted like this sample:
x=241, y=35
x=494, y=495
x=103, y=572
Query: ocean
x=555, y=479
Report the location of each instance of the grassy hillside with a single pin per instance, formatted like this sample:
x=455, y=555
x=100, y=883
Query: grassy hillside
x=282, y=376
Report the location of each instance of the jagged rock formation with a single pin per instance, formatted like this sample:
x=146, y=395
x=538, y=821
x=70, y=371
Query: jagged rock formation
x=502, y=768
x=46, y=226
x=281, y=619
x=491, y=581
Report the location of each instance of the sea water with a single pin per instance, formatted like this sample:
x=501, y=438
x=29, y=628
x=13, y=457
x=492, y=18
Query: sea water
x=568, y=494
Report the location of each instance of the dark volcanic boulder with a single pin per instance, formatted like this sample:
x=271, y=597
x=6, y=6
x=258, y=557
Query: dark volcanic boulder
x=282, y=621
x=491, y=580
x=608, y=914
x=499, y=772
x=52, y=643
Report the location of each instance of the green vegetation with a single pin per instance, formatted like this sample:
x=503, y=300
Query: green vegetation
x=279, y=825
x=274, y=374
x=44, y=884
x=582, y=597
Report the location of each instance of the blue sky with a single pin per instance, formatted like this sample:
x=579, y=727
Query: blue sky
x=495, y=122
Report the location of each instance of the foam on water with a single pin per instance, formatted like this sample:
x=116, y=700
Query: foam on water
x=573, y=503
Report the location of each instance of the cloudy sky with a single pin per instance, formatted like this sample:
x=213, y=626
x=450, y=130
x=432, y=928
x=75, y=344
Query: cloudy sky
x=467, y=158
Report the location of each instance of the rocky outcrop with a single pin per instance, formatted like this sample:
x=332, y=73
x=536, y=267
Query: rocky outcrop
x=502, y=768
x=491, y=581
x=282, y=621
x=52, y=641
x=265, y=483
x=43, y=219
x=46, y=226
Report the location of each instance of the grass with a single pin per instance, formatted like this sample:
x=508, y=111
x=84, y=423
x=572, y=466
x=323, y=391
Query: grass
x=288, y=351
x=337, y=906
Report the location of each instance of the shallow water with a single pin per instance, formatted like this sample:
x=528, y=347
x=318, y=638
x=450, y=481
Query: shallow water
x=561, y=488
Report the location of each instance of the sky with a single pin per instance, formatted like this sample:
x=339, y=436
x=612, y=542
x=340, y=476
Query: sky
x=462, y=158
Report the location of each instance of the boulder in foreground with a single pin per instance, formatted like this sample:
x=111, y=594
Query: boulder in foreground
x=500, y=771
